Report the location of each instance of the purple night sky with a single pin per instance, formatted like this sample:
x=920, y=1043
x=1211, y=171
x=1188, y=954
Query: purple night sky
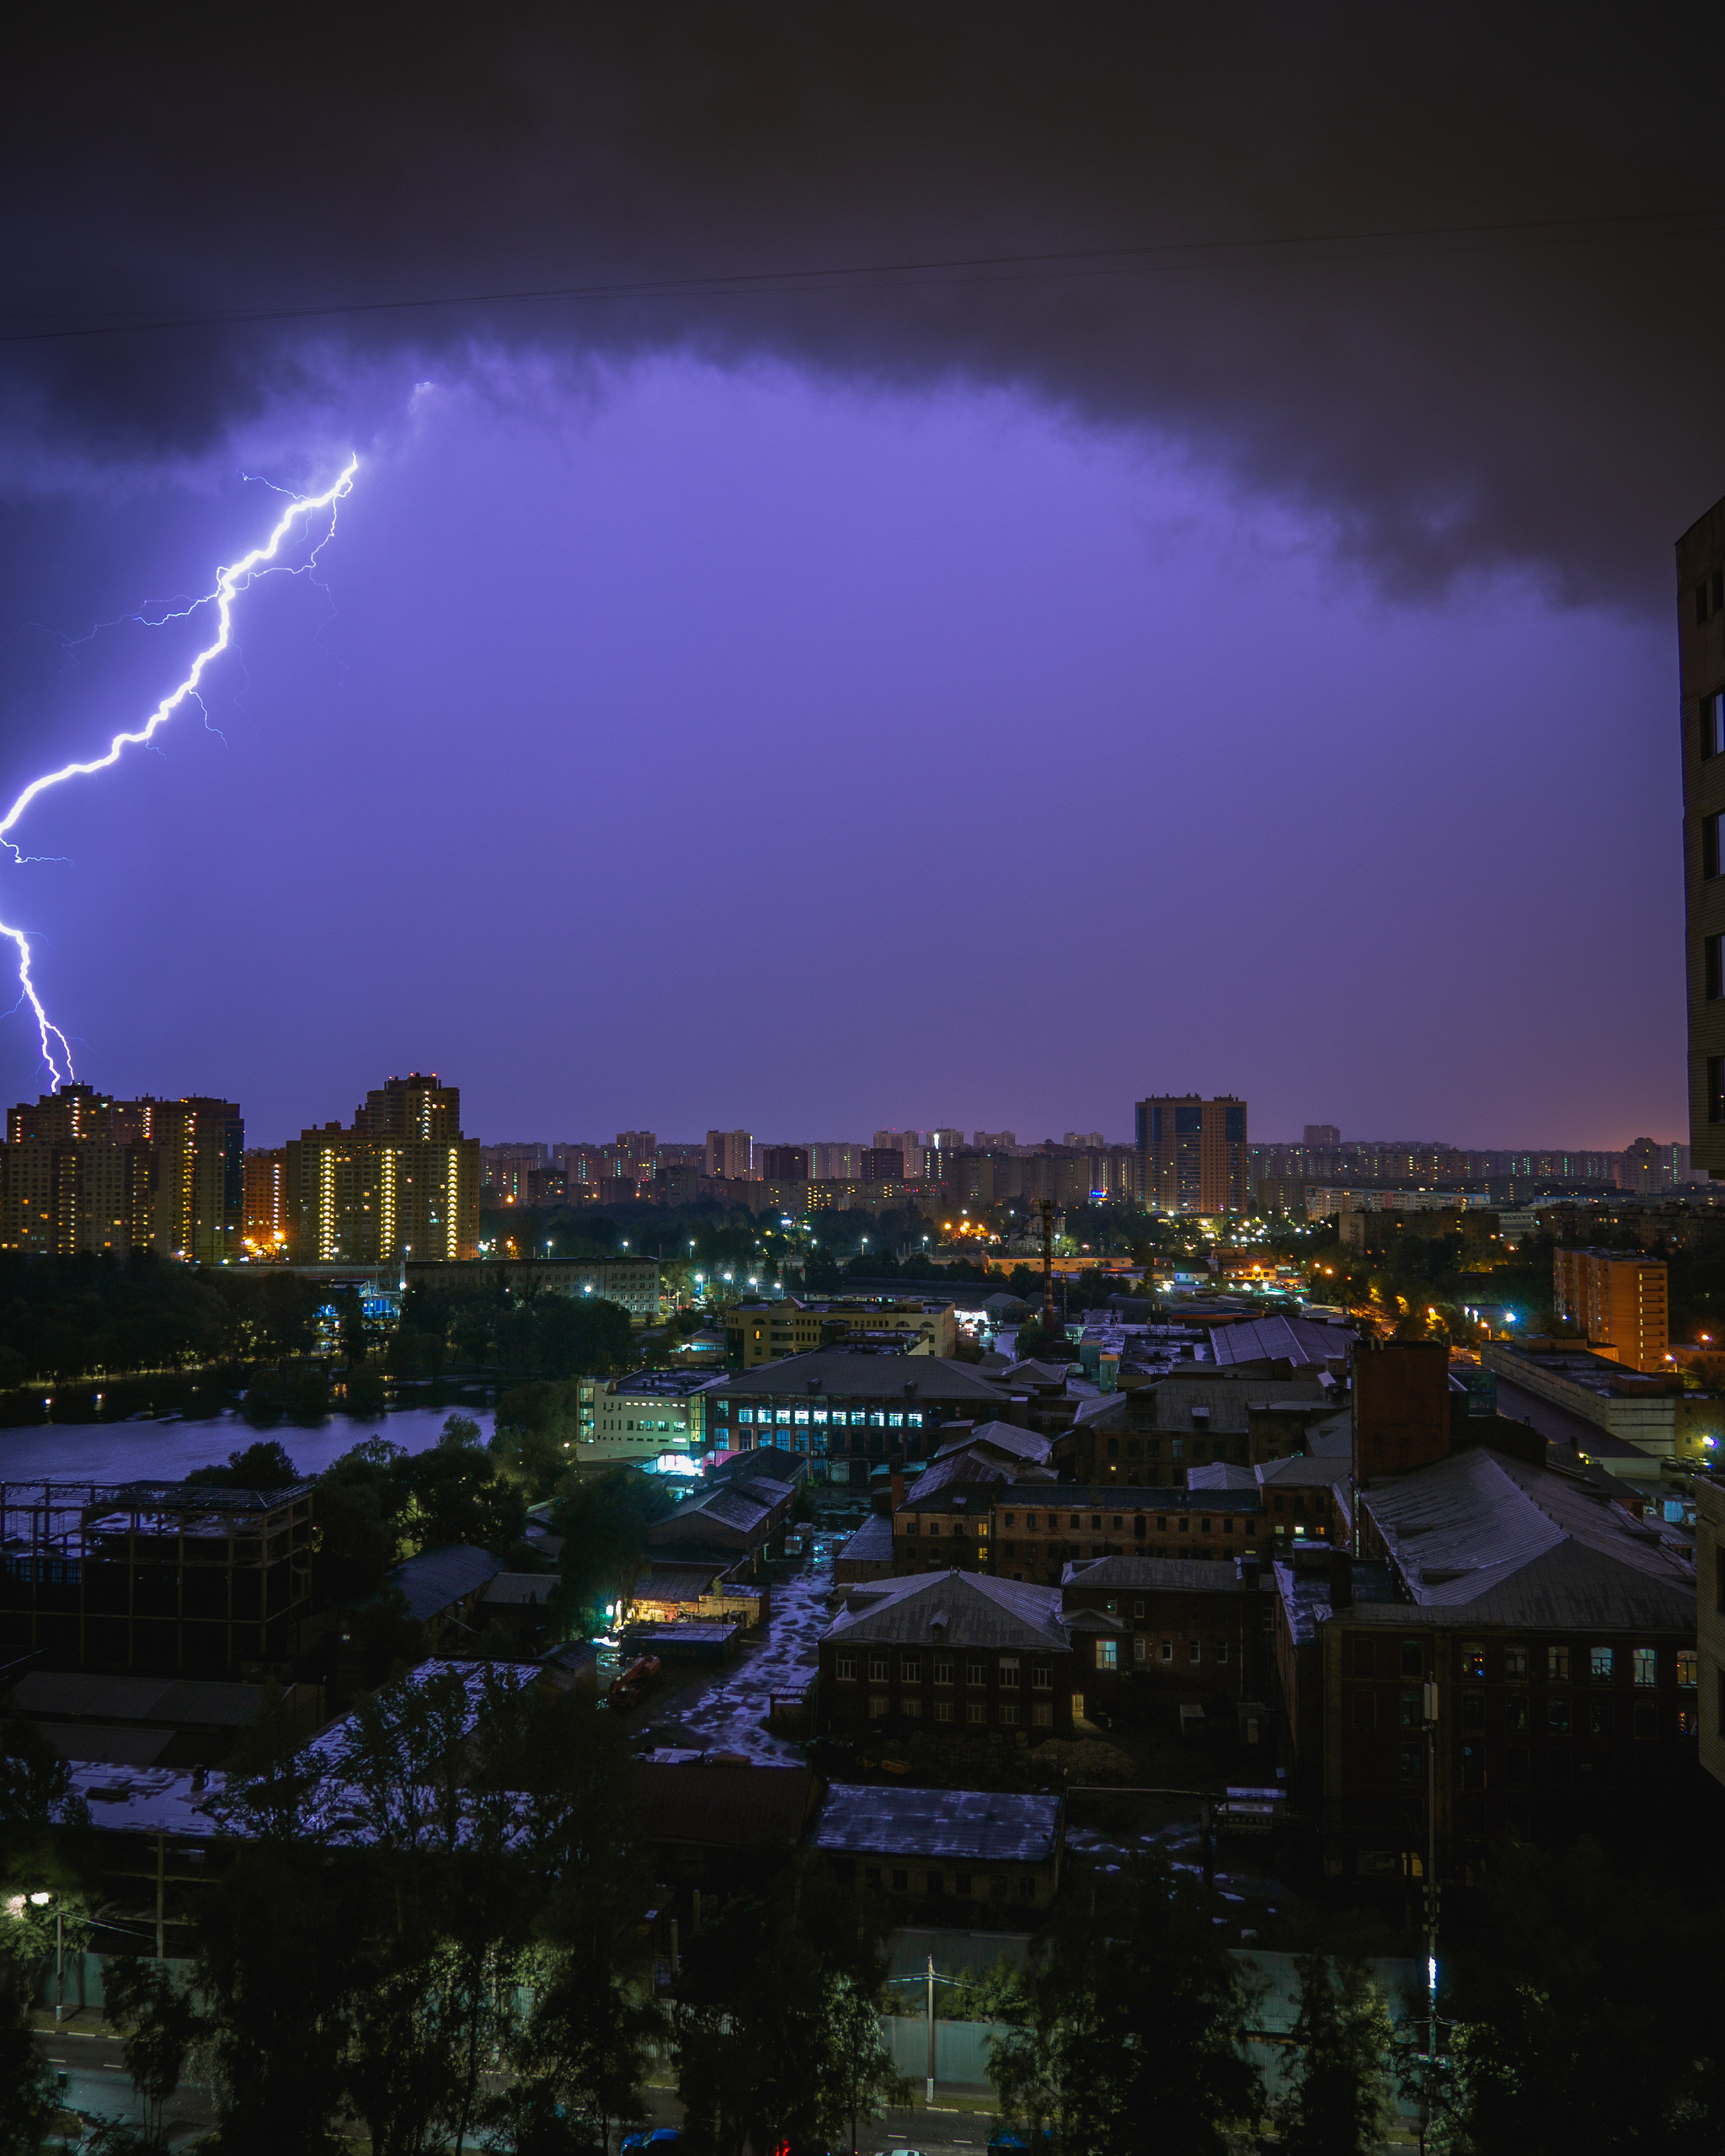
x=823, y=725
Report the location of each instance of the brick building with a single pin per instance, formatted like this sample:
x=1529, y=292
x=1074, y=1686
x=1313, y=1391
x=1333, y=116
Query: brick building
x=1190, y=1634
x=1559, y=1634
x=854, y=1409
x=951, y=1654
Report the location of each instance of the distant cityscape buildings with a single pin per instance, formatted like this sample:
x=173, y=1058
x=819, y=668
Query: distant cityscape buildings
x=401, y=1182
x=81, y=1170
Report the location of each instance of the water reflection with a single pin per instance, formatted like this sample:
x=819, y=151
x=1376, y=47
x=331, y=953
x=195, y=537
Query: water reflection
x=162, y=1452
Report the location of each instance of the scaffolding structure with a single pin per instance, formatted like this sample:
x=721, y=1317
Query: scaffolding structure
x=167, y=1577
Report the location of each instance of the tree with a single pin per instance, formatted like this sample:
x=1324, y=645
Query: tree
x=1578, y=1964
x=1338, y=2102
x=603, y=1522
x=263, y=1464
x=163, y=2023
x=764, y=2014
x=1140, y=2025
x=28, y=2099
x=863, y=2077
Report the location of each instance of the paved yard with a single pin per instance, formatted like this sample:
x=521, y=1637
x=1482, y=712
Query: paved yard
x=723, y=1710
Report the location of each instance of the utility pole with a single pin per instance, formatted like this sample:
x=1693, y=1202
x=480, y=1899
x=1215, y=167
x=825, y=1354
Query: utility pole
x=930, y=2028
x=1045, y=1206
x=1430, y=1704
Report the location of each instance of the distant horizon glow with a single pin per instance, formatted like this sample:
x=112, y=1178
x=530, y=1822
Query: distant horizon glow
x=956, y=708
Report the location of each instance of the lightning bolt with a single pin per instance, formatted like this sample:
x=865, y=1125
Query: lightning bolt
x=230, y=582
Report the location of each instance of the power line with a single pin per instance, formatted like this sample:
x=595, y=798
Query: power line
x=1102, y=260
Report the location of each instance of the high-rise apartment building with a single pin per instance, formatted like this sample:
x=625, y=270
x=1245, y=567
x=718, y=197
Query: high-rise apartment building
x=1322, y=1137
x=1618, y=1299
x=1191, y=1155
x=1700, y=665
x=264, y=1217
x=784, y=1163
x=731, y=1154
x=403, y=1182
x=81, y=1170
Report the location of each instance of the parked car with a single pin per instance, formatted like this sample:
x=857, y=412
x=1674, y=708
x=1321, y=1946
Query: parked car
x=629, y=1684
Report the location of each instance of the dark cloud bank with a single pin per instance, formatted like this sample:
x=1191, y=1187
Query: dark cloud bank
x=1550, y=395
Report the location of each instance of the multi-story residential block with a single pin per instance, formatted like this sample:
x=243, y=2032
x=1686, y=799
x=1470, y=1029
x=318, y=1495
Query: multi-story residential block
x=263, y=1219
x=761, y=1331
x=81, y=1170
x=954, y=1655
x=731, y=1154
x=505, y=1169
x=783, y=1163
x=1700, y=599
x=1191, y=1154
x=402, y=1183
x=1618, y=1299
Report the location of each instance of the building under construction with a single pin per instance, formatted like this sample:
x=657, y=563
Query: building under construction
x=170, y=1577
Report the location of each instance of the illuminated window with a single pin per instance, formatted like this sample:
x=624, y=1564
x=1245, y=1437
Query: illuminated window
x=1107, y=1654
x=1601, y=1662
x=1685, y=1666
x=1645, y=1666
x=1558, y=1664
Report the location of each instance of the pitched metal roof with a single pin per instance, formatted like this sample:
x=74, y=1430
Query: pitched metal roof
x=838, y=1373
x=188, y=1702
x=1187, y=1575
x=871, y=1544
x=436, y=1579
x=1482, y=1538
x=960, y=1826
x=1005, y=1437
x=971, y=1610
x=1104, y=1498
x=1293, y=1340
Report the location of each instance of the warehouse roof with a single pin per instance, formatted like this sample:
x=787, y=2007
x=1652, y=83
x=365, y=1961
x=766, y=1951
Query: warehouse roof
x=437, y=1579
x=1004, y=1437
x=181, y=1702
x=1482, y=1537
x=1189, y=1576
x=961, y=1825
x=1295, y=1341
x=964, y=1609
x=840, y=1373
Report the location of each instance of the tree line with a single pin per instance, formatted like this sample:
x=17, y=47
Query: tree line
x=430, y=1925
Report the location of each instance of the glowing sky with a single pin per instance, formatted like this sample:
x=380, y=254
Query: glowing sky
x=708, y=746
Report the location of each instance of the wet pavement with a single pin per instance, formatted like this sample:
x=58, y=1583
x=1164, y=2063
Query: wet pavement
x=726, y=1710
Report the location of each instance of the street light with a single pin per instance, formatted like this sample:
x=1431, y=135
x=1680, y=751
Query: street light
x=41, y=1900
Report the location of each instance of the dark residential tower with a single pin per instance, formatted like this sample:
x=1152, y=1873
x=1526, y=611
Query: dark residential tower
x=1192, y=1154
x=1701, y=643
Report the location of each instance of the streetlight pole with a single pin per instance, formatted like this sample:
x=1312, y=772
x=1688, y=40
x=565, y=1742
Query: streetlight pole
x=1430, y=1704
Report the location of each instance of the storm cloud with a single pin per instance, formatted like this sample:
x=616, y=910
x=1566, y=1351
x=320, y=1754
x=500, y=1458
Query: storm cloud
x=1449, y=280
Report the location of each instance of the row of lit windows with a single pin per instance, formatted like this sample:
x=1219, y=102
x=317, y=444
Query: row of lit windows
x=1108, y=1651
x=942, y=1669
x=1600, y=1665
x=857, y=1417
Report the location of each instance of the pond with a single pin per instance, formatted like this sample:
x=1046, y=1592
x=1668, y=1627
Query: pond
x=166, y=1451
